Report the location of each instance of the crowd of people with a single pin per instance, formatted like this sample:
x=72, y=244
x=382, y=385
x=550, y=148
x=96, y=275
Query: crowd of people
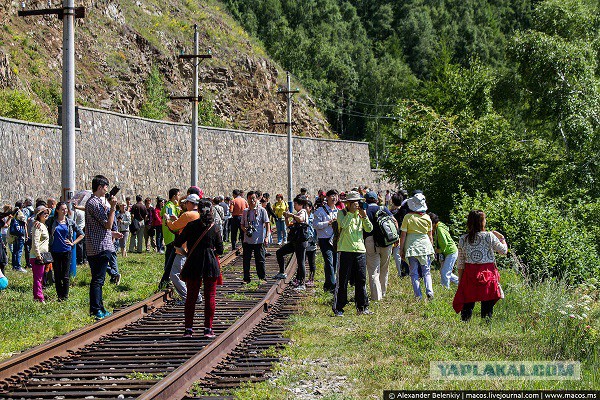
x=358, y=232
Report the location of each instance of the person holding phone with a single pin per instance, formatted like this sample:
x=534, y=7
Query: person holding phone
x=171, y=208
x=352, y=222
x=297, y=221
x=99, y=241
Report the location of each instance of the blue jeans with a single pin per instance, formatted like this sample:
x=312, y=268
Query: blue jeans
x=446, y=270
x=414, y=268
x=98, y=267
x=281, y=230
x=17, y=251
x=329, y=264
x=113, y=267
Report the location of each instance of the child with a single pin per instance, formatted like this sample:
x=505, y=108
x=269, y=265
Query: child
x=446, y=248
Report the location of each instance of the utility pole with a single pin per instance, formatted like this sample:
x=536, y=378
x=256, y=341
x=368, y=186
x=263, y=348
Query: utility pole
x=68, y=13
x=288, y=95
x=194, y=99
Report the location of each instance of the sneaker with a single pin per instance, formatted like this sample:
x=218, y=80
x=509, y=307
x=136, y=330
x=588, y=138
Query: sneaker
x=280, y=275
x=338, y=313
x=116, y=279
x=209, y=333
x=101, y=315
x=238, y=253
x=279, y=244
x=295, y=283
x=20, y=269
x=188, y=333
x=300, y=288
x=366, y=311
x=199, y=300
x=429, y=297
x=268, y=254
x=161, y=252
x=310, y=283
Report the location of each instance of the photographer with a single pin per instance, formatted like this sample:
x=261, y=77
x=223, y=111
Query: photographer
x=99, y=241
x=297, y=243
x=257, y=229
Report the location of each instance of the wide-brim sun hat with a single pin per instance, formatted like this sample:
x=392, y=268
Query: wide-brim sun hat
x=353, y=196
x=417, y=203
x=40, y=209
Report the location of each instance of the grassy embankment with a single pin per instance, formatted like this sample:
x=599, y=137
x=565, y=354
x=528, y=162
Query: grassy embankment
x=26, y=323
x=357, y=357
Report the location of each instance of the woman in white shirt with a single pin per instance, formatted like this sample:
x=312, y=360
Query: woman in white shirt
x=478, y=276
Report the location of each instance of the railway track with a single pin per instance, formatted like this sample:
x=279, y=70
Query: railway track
x=139, y=352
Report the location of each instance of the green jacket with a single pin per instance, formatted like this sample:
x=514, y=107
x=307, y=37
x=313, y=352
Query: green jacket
x=351, y=227
x=171, y=209
x=444, y=241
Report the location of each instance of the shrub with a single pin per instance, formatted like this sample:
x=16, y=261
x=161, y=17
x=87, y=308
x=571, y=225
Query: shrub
x=18, y=105
x=155, y=106
x=550, y=238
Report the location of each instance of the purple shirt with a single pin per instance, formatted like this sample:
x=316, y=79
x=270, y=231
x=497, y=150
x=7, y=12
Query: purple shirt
x=97, y=237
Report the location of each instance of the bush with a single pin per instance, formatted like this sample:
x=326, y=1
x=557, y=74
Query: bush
x=17, y=105
x=155, y=106
x=551, y=239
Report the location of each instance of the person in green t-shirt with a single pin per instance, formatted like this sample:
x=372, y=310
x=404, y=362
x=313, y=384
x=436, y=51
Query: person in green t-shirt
x=171, y=208
x=447, y=250
x=352, y=222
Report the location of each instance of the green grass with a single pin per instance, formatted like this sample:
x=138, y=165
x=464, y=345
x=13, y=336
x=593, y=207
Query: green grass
x=27, y=323
x=392, y=349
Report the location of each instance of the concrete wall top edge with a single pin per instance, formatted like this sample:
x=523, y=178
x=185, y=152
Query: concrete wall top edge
x=156, y=121
x=28, y=123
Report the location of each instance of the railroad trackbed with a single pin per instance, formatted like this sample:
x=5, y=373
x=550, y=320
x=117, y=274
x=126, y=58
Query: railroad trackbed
x=139, y=352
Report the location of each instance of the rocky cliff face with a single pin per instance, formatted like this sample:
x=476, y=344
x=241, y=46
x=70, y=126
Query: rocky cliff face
x=117, y=45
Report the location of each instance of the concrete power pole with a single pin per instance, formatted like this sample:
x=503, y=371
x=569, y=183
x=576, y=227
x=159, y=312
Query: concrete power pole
x=288, y=94
x=67, y=13
x=194, y=99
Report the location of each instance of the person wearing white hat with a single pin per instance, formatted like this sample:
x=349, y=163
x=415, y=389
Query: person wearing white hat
x=416, y=244
x=352, y=221
x=190, y=203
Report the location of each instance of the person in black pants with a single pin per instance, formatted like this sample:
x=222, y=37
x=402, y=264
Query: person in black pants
x=62, y=230
x=256, y=227
x=296, y=243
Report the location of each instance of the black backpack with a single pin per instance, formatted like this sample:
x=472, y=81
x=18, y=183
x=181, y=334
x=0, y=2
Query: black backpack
x=385, y=230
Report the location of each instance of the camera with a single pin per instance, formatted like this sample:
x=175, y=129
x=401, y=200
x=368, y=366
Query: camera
x=250, y=231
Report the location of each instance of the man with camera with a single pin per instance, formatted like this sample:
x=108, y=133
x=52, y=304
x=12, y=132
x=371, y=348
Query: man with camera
x=99, y=241
x=352, y=222
x=256, y=228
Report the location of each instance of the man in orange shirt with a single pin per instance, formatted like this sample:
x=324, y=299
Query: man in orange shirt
x=176, y=225
x=237, y=207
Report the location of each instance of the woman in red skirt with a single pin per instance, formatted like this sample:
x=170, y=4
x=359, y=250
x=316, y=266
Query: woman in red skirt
x=478, y=276
x=204, y=244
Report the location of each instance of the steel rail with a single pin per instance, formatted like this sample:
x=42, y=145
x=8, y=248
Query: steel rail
x=77, y=339
x=176, y=384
